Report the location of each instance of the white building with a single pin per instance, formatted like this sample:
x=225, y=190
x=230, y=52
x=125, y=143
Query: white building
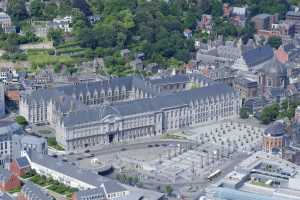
x=86, y=181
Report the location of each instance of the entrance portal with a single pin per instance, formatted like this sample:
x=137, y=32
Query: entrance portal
x=111, y=138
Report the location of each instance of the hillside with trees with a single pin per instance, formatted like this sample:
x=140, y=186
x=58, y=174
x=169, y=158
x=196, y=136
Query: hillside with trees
x=154, y=28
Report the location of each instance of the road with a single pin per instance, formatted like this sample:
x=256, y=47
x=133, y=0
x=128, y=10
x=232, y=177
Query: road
x=114, y=148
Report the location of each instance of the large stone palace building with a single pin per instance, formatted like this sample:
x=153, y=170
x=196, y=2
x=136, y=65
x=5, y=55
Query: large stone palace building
x=120, y=109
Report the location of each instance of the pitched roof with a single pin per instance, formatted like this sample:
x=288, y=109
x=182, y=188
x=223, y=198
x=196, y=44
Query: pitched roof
x=82, y=175
x=275, y=129
x=34, y=192
x=22, y=162
x=180, y=78
x=4, y=175
x=293, y=13
x=4, y=196
x=257, y=56
x=146, y=105
x=112, y=187
x=96, y=193
x=67, y=169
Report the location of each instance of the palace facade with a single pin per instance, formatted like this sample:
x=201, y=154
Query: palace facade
x=123, y=109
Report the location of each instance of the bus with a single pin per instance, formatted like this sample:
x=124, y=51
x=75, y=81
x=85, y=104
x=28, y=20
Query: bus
x=214, y=175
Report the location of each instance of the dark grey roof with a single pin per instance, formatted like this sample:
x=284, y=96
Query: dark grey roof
x=7, y=129
x=90, y=114
x=96, y=193
x=180, y=78
x=97, y=86
x=22, y=162
x=40, y=95
x=274, y=67
x=4, y=175
x=68, y=169
x=112, y=187
x=262, y=16
x=146, y=105
x=277, y=92
x=4, y=196
x=257, y=56
x=246, y=82
x=276, y=129
x=293, y=13
x=34, y=192
x=172, y=100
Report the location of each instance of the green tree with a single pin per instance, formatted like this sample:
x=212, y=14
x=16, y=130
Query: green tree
x=168, y=190
x=216, y=8
x=56, y=35
x=21, y=120
x=50, y=11
x=87, y=38
x=82, y=6
x=274, y=42
x=36, y=8
x=17, y=10
x=11, y=43
x=269, y=114
x=244, y=114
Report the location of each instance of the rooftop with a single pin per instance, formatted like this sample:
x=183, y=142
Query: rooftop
x=147, y=105
x=276, y=129
x=258, y=55
x=34, y=192
x=4, y=175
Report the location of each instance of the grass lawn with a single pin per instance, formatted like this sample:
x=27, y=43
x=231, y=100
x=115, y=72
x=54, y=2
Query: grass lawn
x=171, y=136
x=258, y=183
x=62, y=189
x=15, y=190
x=53, y=143
x=43, y=59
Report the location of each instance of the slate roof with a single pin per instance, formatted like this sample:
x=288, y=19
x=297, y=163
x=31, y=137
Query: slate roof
x=112, y=187
x=8, y=128
x=146, y=105
x=4, y=175
x=293, y=13
x=274, y=67
x=276, y=129
x=22, y=162
x=96, y=86
x=67, y=169
x=180, y=78
x=246, y=82
x=4, y=196
x=262, y=16
x=257, y=56
x=97, y=193
x=85, y=176
x=34, y=192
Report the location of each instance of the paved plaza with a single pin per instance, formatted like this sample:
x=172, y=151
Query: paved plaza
x=241, y=137
x=217, y=147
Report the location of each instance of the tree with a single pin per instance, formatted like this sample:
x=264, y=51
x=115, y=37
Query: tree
x=21, y=120
x=216, y=8
x=82, y=6
x=269, y=114
x=168, y=190
x=17, y=10
x=50, y=10
x=11, y=43
x=87, y=38
x=275, y=41
x=244, y=113
x=36, y=8
x=56, y=35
